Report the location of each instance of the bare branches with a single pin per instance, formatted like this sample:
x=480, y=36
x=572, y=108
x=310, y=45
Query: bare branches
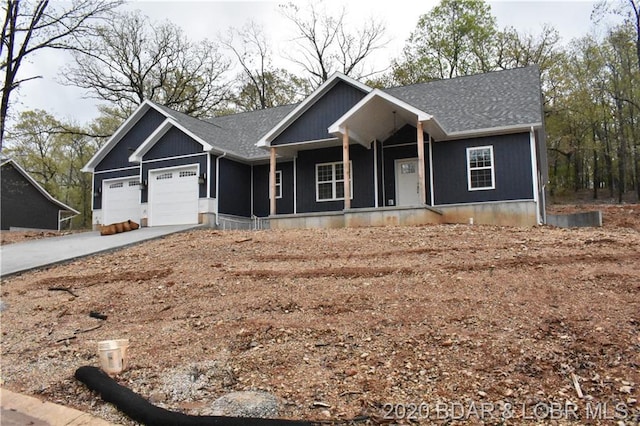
x=32, y=26
x=325, y=43
x=133, y=59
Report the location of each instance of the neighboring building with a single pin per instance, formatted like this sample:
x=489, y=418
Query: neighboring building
x=27, y=205
x=465, y=149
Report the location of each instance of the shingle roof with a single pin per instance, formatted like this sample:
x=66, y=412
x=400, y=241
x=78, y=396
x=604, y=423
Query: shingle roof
x=483, y=101
x=236, y=133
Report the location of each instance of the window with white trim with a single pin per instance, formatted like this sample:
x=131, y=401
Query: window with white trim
x=278, y=183
x=330, y=181
x=480, y=168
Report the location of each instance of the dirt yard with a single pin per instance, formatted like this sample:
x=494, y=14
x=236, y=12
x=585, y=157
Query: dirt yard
x=407, y=324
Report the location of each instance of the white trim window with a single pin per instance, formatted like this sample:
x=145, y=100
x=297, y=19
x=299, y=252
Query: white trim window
x=278, y=183
x=330, y=181
x=480, y=168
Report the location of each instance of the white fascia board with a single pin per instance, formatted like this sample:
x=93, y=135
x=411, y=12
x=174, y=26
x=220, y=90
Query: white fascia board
x=265, y=141
x=338, y=126
x=157, y=134
x=493, y=130
x=43, y=191
x=120, y=132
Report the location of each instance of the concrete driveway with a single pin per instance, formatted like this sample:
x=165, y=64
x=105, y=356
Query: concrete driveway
x=21, y=257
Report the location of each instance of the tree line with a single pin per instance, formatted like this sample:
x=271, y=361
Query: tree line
x=591, y=104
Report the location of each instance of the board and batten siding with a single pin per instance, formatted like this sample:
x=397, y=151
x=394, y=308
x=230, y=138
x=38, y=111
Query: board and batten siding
x=512, y=165
x=284, y=205
x=172, y=144
x=313, y=123
x=23, y=206
x=235, y=188
x=118, y=156
x=362, y=174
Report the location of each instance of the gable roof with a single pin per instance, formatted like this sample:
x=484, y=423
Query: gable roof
x=307, y=103
x=468, y=104
x=233, y=134
x=120, y=132
x=27, y=176
x=461, y=106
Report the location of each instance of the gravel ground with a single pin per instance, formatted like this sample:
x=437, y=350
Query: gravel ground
x=389, y=323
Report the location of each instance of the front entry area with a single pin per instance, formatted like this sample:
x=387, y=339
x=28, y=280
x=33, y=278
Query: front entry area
x=407, y=188
x=173, y=196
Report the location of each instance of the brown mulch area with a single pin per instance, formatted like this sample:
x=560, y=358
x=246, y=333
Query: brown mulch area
x=347, y=322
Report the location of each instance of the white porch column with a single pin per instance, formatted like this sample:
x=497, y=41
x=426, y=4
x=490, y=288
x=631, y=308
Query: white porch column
x=421, y=186
x=347, y=169
x=272, y=182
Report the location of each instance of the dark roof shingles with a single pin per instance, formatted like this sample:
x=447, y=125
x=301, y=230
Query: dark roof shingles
x=483, y=101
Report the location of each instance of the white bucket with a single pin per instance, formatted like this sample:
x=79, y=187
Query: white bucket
x=113, y=355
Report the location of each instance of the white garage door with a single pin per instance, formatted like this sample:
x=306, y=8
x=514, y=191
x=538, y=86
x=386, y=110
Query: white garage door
x=121, y=200
x=173, y=196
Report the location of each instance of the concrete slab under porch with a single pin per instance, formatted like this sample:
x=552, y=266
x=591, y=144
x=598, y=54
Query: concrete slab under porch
x=506, y=213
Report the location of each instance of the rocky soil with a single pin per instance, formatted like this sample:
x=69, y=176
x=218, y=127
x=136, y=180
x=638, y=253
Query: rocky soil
x=399, y=324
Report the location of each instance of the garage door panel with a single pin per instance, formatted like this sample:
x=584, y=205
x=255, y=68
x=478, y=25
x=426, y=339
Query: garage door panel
x=173, y=197
x=121, y=200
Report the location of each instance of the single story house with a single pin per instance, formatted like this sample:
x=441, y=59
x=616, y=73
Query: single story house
x=26, y=204
x=467, y=149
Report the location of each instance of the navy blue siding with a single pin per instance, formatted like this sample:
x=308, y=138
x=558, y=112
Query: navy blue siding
x=235, y=188
x=99, y=177
x=201, y=160
x=512, y=157
x=284, y=205
x=174, y=143
x=392, y=152
x=118, y=156
x=313, y=123
x=363, y=185
x=23, y=206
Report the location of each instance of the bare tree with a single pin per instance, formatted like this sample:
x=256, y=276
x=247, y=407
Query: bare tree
x=29, y=27
x=133, y=59
x=260, y=84
x=325, y=43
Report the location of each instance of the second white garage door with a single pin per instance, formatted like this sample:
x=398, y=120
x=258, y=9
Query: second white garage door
x=173, y=196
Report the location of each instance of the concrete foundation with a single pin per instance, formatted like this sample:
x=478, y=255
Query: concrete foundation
x=391, y=216
x=504, y=213
x=593, y=218
x=509, y=213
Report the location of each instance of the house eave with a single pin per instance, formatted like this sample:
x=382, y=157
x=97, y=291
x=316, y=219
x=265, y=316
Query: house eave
x=500, y=130
x=119, y=133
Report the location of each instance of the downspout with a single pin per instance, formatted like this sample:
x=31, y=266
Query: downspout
x=384, y=184
x=431, y=185
x=295, y=184
x=224, y=154
x=252, y=190
x=375, y=172
x=534, y=174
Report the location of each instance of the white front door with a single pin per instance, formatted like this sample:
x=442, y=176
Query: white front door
x=407, y=189
x=120, y=200
x=173, y=196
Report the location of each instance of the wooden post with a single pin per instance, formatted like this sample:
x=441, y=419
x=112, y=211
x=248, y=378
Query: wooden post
x=272, y=182
x=347, y=169
x=421, y=186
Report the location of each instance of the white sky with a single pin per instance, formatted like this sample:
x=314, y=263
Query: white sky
x=206, y=19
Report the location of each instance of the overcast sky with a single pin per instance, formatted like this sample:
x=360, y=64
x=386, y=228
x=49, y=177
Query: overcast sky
x=206, y=19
